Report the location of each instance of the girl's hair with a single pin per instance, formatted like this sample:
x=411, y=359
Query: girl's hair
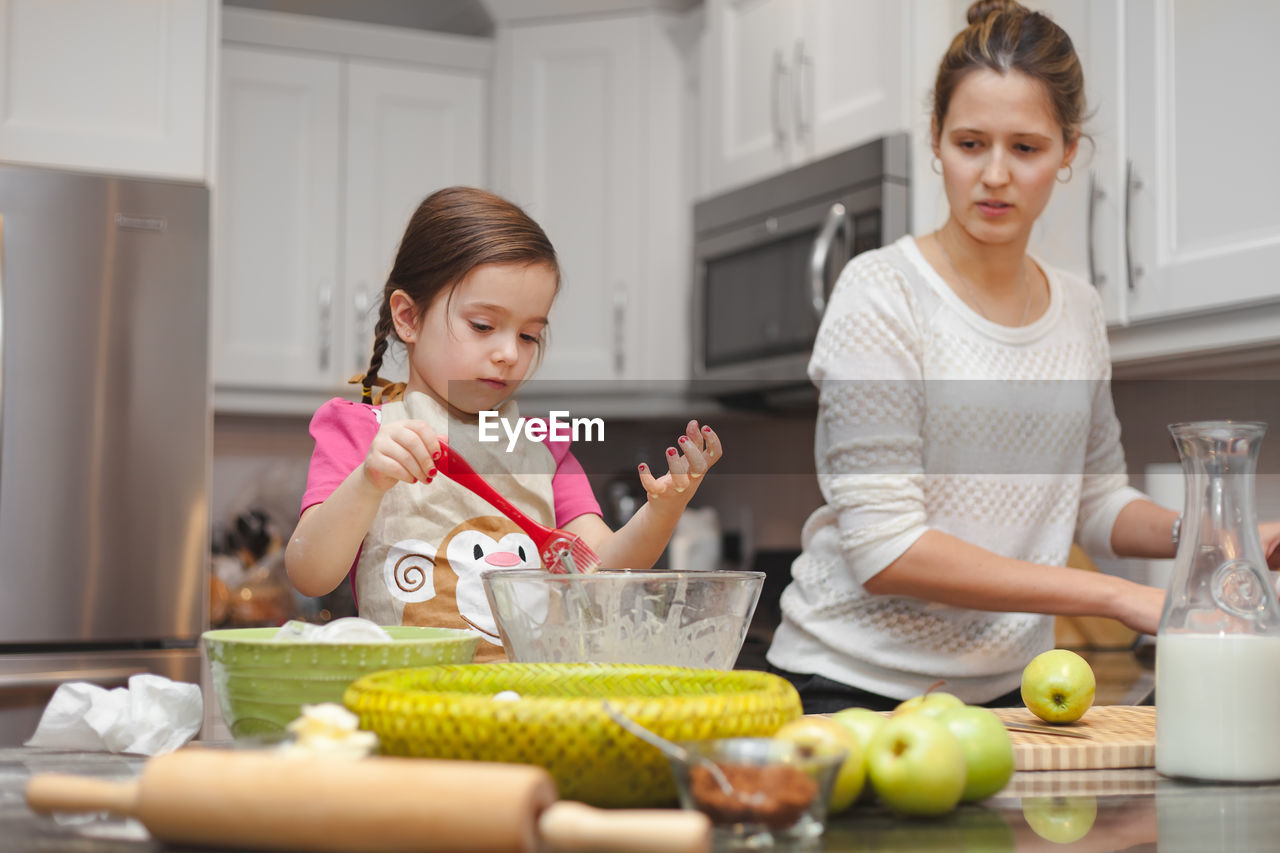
x=1005, y=36
x=453, y=231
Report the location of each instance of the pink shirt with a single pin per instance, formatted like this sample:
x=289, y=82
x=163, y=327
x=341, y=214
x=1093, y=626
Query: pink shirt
x=343, y=431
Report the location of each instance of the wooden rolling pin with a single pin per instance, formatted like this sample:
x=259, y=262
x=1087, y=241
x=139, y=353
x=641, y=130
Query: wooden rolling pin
x=260, y=799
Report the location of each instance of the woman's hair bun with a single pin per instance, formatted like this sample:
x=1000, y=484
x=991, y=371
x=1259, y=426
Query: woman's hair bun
x=981, y=9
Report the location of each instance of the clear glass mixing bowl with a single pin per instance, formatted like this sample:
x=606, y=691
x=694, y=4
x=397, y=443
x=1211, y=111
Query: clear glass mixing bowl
x=676, y=618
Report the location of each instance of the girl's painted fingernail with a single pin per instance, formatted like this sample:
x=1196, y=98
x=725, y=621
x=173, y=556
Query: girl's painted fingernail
x=684, y=440
x=435, y=457
x=706, y=429
x=671, y=451
x=644, y=467
x=433, y=472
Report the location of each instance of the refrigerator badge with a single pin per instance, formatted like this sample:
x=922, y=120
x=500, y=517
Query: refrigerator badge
x=141, y=223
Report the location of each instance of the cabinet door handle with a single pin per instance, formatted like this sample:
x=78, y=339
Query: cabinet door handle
x=326, y=326
x=619, y=329
x=837, y=221
x=1096, y=194
x=1132, y=183
x=360, y=305
x=803, y=94
x=775, y=98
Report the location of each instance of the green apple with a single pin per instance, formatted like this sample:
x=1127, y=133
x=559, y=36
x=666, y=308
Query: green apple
x=1058, y=686
x=864, y=723
x=1061, y=820
x=823, y=736
x=916, y=765
x=988, y=750
x=932, y=704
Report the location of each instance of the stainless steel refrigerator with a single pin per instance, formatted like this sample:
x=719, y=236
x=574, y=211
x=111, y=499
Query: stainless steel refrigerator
x=104, y=433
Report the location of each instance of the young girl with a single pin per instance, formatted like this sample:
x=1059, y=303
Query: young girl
x=469, y=296
x=966, y=434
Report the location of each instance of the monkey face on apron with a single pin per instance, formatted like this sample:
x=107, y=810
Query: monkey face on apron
x=429, y=542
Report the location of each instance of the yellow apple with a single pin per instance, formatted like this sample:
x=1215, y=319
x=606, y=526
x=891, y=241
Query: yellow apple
x=930, y=704
x=988, y=750
x=1058, y=686
x=824, y=736
x=916, y=765
x=1061, y=820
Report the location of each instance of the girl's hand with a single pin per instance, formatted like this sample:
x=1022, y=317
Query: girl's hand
x=699, y=450
x=1270, y=535
x=404, y=451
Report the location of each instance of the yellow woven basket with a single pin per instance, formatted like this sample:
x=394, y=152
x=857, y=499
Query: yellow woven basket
x=559, y=721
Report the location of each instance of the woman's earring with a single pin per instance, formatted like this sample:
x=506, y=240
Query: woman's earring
x=1063, y=180
x=936, y=165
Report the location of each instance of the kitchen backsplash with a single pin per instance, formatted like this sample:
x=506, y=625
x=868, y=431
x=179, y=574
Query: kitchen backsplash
x=765, y=487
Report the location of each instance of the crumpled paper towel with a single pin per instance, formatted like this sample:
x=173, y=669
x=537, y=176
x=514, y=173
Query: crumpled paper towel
x=153, y=715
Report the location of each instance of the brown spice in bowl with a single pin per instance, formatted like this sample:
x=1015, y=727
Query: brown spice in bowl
x=775, y=795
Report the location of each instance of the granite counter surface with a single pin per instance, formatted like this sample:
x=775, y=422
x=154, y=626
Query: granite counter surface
x=1061, y=811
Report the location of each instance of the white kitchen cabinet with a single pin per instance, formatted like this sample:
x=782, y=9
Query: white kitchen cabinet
x=114, y=86
x=788, y=81
x=277, y=258
x=1075, y=231
x=590, y=140
x=1204, y=227
x=323, y=156
x=1181, y=231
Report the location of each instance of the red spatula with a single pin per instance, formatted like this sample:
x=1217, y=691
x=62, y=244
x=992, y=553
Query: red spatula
x=562, y=552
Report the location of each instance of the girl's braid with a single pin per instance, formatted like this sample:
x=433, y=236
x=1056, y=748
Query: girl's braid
x=380, y=334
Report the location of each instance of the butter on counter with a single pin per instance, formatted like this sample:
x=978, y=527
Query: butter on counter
x=329, y=729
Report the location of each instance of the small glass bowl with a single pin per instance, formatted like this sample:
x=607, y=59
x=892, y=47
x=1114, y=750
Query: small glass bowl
x=780, y=789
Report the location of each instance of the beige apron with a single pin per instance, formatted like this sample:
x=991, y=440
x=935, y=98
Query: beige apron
x=428, y=543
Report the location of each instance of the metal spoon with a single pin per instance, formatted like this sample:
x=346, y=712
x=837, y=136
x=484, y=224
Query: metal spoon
x=669, y=749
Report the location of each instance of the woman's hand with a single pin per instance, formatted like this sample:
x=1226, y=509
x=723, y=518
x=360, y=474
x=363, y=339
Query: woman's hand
x=1270, y=535
x=1140, y=609
x=403, y=451
x=699, y=450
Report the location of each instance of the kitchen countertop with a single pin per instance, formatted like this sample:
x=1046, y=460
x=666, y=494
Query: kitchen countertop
x=1134, y=808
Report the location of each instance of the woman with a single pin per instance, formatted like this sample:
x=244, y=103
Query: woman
x=966, y=435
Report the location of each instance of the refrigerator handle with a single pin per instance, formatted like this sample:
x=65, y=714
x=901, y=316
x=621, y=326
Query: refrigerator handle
x=2, y=305
x=53, y=679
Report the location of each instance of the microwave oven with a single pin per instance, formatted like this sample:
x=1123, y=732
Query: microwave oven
x=767, y=255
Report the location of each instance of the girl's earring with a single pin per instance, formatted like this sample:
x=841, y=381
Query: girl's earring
x=936, y=165
x=1063, y=180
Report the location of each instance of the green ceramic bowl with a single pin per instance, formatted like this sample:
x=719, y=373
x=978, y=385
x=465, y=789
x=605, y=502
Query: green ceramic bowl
x=262, y=683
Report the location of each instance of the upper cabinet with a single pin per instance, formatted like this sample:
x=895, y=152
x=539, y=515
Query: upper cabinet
x=1167, y=213
x=589, y=126
x=324, y=153
x=1199, y=220
x=114, y=86
x=788, y=81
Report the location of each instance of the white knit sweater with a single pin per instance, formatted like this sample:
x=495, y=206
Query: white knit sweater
x=933, y=417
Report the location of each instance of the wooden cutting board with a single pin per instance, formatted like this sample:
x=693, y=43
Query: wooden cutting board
x=1119, y=736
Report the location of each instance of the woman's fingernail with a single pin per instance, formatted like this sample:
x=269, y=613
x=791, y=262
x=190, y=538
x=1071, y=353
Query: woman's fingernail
x=671, y=451
x=706, y=429
x=433, y=472
x=684, y=440
x=644, y=467
x=435, y=457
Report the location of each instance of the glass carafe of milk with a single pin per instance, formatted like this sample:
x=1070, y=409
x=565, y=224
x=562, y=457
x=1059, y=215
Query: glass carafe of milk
x=1218, y=651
